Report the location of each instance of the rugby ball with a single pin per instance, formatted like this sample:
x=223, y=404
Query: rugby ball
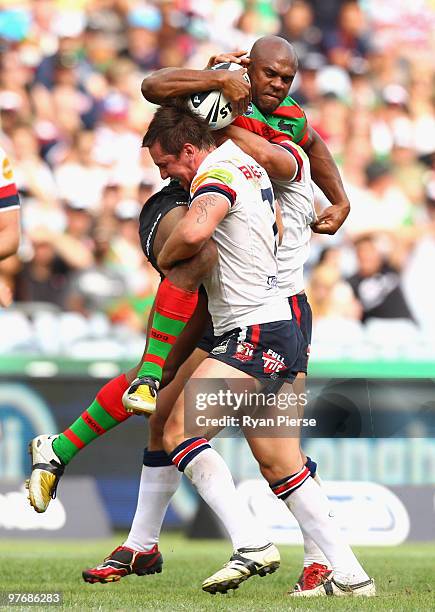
x=213, y=106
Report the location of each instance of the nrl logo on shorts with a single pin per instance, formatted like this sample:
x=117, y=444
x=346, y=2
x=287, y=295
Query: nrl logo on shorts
x=272, y=362
x=220, y=349
x=244, y=352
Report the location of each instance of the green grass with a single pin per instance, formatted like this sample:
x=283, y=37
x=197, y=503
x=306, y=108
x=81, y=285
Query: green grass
x=405, y=578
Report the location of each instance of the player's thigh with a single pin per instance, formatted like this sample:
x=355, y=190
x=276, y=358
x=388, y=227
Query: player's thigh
x=279, y=456
x=184, y=345
x=164, y=229
x=207, y=378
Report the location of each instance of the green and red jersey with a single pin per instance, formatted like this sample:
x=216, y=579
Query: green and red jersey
x=288, y=120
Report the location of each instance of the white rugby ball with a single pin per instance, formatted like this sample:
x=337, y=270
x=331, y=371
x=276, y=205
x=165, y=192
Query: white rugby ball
x=213, y=106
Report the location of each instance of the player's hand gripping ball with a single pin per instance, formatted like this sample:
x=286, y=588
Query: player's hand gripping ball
x=214, y=106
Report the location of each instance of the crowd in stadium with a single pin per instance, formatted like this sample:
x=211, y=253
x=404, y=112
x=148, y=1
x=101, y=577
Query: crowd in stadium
x=72, y=118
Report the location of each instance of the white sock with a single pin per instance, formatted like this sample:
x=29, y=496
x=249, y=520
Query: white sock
x=310, y=507
x=157, y=486
x=210, y=475
x=312, y=553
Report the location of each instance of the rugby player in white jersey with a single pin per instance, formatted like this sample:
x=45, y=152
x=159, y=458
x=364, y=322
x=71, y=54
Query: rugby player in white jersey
x=139, y=554
x=248, y=311
x=289, y=166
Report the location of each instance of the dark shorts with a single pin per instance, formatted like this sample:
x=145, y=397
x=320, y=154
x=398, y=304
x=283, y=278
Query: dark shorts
x=301, y=313
x=208, y=340
x=268, y=351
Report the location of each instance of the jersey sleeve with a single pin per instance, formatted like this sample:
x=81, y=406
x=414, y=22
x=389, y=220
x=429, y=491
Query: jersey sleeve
x=215, y=180
x=9, y=199
x=296, y=153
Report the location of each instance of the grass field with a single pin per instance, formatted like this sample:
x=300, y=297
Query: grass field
x=405, y=578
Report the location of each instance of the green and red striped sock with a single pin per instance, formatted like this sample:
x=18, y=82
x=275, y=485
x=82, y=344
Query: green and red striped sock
x=105, y=412
x=173, y=308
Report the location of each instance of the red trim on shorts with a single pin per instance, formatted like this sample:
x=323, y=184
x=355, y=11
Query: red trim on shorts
x=255, y=334
x=296, y=309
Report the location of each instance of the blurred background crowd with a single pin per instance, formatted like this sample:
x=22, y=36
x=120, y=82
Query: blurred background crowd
x=72, y=117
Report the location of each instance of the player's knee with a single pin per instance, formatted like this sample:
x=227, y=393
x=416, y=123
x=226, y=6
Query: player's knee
x=274, y=471
x=269, y=472
x=172, y=437
x=189, y=275
x=156, y=424
x=182, y=276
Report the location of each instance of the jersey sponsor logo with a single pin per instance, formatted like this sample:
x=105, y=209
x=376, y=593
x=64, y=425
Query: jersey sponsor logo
x=286, y=126
x=272, y=282
x=244, y=351
x=221, y=348
x=249, y=110
x=251, y=171
x=272, y=362
x=8, y=175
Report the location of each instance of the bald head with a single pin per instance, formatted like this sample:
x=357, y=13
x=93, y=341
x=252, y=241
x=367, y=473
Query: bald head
x=274, y=64
x=270, y=47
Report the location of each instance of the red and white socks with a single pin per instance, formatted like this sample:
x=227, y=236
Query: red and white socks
x=310, y=506
x=212, y=479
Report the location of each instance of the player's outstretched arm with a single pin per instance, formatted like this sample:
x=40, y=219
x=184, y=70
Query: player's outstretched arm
x=325, y=174
x=193, y=231
x=168, y=83
x=277, y=162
